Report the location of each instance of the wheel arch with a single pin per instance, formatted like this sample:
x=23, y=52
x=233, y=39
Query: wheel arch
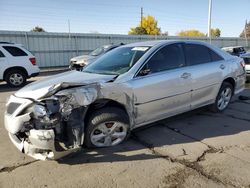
x=14, y=68
x=104, y=103
x=231, y=81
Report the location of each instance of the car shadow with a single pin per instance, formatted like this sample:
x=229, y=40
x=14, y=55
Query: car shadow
x=190, y=127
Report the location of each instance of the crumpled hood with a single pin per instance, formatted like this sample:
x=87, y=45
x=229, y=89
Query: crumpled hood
x=83, y=59
x=40, y=88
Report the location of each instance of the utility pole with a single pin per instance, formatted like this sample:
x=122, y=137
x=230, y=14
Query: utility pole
x=69, y=27
x=209, y=20
x=245, y=31
x=141, y=15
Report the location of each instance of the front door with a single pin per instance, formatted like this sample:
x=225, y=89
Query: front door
x=162, y=87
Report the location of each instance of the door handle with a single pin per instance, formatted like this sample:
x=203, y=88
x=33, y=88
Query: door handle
x=185, y=75
x=222, y=66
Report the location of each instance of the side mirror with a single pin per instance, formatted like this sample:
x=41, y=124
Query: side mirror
x=144, y=72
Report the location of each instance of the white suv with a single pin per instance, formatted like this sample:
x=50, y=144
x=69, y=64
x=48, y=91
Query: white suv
x=16, y=64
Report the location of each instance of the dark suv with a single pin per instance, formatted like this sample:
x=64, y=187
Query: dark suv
x=235, y=50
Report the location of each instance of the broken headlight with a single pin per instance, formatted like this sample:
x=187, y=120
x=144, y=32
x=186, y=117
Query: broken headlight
x=39, y=111
x=45, y=115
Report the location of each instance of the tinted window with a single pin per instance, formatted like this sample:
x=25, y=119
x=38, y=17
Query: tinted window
x=197, y=54
x=1, y=54
x=215, y=56
x=169, y=57
x=14, y=51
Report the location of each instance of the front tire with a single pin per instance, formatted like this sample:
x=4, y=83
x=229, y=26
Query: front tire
x=223, y=98
x=16, y=78
x=106, y=127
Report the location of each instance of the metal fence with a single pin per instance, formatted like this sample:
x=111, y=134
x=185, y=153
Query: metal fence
x=55, y=49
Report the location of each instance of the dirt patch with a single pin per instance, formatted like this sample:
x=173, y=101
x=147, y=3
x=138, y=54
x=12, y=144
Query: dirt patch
x=11, y=168
x=177, y=179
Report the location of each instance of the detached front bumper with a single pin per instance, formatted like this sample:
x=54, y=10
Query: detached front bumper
x=40, y=146
x=37, y=143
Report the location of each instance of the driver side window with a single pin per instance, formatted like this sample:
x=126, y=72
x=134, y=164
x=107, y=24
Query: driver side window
x=169, y=57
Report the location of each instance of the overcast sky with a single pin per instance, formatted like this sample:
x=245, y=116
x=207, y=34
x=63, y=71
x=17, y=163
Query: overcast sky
x=117, y=16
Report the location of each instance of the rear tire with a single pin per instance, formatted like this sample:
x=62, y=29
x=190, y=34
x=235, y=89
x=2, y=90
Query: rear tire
x=223, y=98
x=16, y=78
x=106, y=127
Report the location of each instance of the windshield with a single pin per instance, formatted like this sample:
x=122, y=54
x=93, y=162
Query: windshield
x=117, y=61
x=97, y=51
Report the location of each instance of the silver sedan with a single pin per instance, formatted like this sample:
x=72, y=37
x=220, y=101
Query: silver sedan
x=126, y=88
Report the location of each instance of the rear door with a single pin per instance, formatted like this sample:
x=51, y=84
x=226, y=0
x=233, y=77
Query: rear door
x=162, y=87
x=3, y=63
x=206, y=68
x=17, y=56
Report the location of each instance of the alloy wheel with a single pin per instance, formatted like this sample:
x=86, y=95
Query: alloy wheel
x=224, y=99
x=16, y=79
x=108, y=134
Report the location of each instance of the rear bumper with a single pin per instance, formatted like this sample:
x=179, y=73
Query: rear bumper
x=240, y=83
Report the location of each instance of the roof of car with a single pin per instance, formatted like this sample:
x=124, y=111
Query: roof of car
x=146, y=43
x=112, y=45
x=10, y=44
x=2, y=42
x=159, y=42
x=231, y=47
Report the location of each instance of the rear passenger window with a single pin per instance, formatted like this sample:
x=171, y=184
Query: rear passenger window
x=169, y=57
x=14, y=51
x=197, y=54
x=1, y=54
x=215, y=56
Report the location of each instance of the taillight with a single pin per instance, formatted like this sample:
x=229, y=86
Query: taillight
x=242, y=63
x=33, y=60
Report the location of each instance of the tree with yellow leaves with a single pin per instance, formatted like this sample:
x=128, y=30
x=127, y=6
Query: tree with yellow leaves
x=191, y=33
x=215, y=32
x=147, y=27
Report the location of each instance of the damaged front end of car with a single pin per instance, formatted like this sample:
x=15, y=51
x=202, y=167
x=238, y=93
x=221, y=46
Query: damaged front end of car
x=53, y=125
